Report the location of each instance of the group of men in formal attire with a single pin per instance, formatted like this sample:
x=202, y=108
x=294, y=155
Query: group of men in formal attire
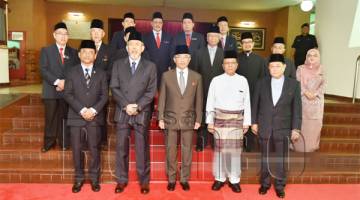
x=232, y=101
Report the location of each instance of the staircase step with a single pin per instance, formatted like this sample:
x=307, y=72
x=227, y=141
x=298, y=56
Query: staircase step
x=350, y=145
x=342, y=118
x=340, y=131
x=341, y=108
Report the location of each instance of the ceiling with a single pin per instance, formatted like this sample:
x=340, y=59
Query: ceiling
x=250, y=5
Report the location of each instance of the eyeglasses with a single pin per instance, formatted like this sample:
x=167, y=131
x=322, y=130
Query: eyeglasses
x=62, y=34
x=230, y=63
x=182, y=57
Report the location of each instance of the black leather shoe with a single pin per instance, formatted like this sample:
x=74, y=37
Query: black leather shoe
x=144, y=189
x=263, y=190
x=77, y=187
x=199, y=148
x=95, y=186
x=280, y=193
x=120, y=187
x=217, y=185
x=235, y=187
x=185, y=186
x=171, y=186
x=46, y=148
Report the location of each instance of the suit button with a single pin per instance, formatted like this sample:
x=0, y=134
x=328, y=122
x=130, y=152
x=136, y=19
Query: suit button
x=87, y=93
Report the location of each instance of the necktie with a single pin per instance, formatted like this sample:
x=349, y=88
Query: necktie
x=158, y=40
x=133, y=64
x=222, y=42
x=87, y=76
x=182, y=82
x=188, y=40
x=61, y=54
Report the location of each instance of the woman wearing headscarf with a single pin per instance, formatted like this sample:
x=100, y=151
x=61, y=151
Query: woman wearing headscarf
x=311, y=77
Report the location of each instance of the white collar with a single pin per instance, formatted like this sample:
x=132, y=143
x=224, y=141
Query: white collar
x=277, y=80
x=178, y=70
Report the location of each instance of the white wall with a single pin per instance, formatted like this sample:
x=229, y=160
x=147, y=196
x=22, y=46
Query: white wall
x=334, y=24
x=4, y=65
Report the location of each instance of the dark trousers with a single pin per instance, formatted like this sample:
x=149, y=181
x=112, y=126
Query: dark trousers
x=274, y=152
x=90, y=136
x=204, y=137
x=186, y=137
x=142, y=151
x=55, y=123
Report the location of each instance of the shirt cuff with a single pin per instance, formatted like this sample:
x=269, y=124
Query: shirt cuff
x=93, y=110
x=56, y=82
x=82, y=110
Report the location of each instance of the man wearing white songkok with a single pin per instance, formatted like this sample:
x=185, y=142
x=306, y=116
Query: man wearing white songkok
x=228, y=118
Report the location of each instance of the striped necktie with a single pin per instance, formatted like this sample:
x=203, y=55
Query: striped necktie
x=87, y=77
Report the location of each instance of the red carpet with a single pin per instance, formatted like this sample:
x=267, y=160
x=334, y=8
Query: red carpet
x=199, y=190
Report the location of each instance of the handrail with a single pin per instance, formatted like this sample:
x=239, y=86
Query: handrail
x=356, y=79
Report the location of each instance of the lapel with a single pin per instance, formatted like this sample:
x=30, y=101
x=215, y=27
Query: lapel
x=82, y=76
x=127, y=71
x=270, y=91
x=207, y=57
x=284, y=90
x=189, y=80
x=56, y=53
x=93, y=76
x=218, y=54
x=175, y=81
x=153, y=39
x=67, y=56
x=100, y=53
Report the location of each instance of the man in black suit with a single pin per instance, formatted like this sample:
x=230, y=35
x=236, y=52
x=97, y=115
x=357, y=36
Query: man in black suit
x=158, y=45
x=188, y=37
x=104, y=61
x=208, y=62
x=276, y=118
x=86, y=91
x=227, y=41
x=118, y=41
x=133, y=85
x=278, y=47
x=302, y=44
x=55, y=62
x=253, y=67
x=123, y=53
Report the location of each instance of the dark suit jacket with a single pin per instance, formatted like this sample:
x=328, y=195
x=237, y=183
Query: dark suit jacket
x=180, y=111
x=160, y=56
x=139, y=88
x=117, y=41
x=202, y=65
x=78, y=95
x=105, y=59
x=230, y=43
x=51, y=68
x=197, y=42
x=280, y=119
x=253, y=67
x=290, y=70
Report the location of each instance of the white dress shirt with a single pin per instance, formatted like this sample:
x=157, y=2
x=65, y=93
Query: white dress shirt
x=136, y=61
x=228, y=93
x=186, y=73
x=212, y=52
x=276, y=88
